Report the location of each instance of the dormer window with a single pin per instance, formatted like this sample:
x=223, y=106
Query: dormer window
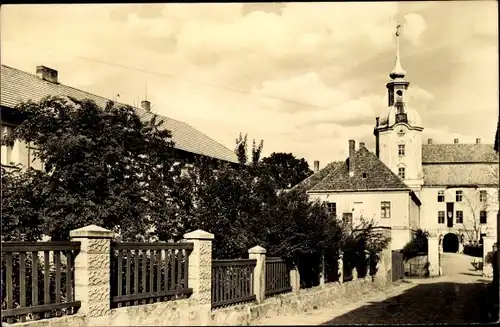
x=364, y=175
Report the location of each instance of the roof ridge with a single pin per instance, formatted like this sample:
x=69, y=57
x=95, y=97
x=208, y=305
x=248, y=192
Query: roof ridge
x=344, y=181
x=93, y=94
x=211, y=146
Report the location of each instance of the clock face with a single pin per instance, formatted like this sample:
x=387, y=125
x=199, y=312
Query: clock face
x=401, y=132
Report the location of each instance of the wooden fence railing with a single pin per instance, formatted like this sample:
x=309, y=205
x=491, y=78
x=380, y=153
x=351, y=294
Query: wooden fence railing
x=232, y=281
x=27, y=282
x=144, y=273
x=277, y=276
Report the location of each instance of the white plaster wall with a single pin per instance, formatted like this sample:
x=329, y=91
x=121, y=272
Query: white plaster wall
x=469, y=205
x=370, y=208
x=19, y=154
x=411, y=161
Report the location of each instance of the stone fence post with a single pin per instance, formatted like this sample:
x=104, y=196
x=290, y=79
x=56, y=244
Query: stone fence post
x=340, y=267
x=295, y=278
x=367, y=263
x=259, y=274
x=200, y=272
x=433, y=256
x=488, y=242
x=322, y=271
x=92, y=270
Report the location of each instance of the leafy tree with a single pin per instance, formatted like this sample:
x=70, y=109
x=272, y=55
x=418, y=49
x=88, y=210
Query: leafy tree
x=103, y=166
x=20, y=219
x=286, y=169
x=241, y=151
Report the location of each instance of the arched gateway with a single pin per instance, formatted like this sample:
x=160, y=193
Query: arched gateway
x=450, y=243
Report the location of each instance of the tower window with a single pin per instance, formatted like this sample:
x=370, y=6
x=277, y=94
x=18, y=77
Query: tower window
x=440, y=196
x=482, y=196
x=401, y=173
x=401, y=149
x=399, y=92
x=458, y=196
x=440, y=217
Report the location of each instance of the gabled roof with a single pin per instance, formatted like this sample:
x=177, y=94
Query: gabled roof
x=378, y=176
x=315, y=178
x=19, y=86
x=458, y=153
x=480, y=174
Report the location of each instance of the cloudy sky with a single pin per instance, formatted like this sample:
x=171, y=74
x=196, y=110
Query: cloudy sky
x=304, y=77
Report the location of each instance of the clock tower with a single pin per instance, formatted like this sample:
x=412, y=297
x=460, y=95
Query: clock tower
x=398, y=130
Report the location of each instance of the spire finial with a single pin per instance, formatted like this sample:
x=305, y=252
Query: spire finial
x=398, y=71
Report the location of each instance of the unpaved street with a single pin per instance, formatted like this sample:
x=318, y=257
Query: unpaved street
x=457, y=297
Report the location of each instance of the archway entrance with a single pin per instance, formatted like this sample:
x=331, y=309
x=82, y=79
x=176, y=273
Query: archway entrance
x=450, y=243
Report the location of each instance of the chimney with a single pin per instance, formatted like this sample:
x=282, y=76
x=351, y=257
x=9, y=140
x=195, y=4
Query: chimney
x=316, y=166
x=478, y=141
x=47, y=74
x=429, y=141
x=146, y=105
x=361, y=145
x=352, y=145
x=455, y=141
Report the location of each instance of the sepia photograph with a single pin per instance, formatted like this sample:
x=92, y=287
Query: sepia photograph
x=250, y=164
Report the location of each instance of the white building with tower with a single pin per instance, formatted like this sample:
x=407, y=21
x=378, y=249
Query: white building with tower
x=449, y=190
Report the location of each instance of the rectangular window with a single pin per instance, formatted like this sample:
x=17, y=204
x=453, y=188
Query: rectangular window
x=401, y=173
x=386, y=209
x=483, y=217
x=482, y=196
x=440, y=217
x=460, y=217
x=6, y=150
x=458, y=196
x=401, y=149
x=332, y=208
x=440, y=196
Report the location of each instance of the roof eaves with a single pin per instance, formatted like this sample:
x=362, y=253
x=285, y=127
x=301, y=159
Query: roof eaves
x=359, y=190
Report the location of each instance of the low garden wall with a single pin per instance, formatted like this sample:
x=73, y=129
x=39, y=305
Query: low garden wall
x=417, y=266
x=295, y=302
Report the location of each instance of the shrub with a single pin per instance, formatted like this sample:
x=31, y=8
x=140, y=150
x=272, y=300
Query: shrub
x=419, y=244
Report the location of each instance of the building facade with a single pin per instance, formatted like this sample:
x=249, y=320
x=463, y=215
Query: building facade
x=449, y=190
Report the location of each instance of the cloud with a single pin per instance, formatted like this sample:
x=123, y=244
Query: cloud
x=414, y=27
x=333, y=56
x=307, y=89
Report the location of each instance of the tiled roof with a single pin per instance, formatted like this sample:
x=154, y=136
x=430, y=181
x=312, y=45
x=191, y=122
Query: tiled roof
x=460, y=174
x=19, y=86
x=378, y=176
x=315, y=178
x=458, y=153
